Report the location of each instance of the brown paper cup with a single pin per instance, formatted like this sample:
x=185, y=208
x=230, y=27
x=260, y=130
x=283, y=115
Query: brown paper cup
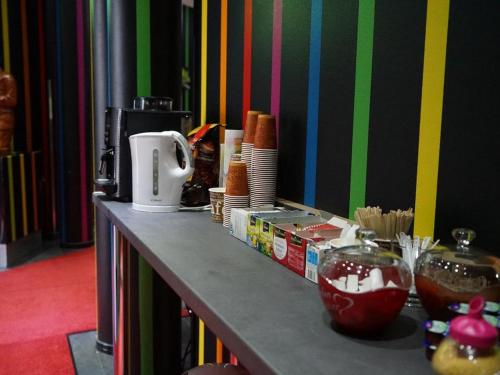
x=265, y=133
x=217, y=203
x=237, y=178
x=251, y=124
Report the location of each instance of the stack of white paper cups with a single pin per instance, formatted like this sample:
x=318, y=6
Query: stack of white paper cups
x=264, y=163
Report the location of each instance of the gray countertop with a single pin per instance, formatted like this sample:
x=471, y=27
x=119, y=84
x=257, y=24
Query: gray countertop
x=271, y=318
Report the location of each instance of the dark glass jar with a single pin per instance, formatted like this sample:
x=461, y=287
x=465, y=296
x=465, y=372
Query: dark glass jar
x=457, y=274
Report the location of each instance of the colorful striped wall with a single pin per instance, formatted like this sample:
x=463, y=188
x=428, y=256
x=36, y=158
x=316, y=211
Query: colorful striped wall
x=22, y=53
x=45, y=45
x=389, y=103
x=19, y=195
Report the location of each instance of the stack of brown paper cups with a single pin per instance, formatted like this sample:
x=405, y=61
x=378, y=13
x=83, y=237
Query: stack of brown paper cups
x=264, y=163
x=236, y=195
x=248, y=140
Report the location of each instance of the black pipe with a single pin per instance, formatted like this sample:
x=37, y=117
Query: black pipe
x=104, y=334
x=121, y=72
x=122, y=58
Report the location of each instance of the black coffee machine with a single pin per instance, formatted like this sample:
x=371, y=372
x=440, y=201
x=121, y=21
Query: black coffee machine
x=148, y=114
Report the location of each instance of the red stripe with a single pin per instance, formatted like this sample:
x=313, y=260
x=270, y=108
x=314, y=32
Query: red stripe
x=84, y=196
x=247, y=60
x=233, y=360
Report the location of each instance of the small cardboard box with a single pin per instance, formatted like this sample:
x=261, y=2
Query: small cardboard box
x=256, y=218
x=240, y=217
x=282, y=232
x=297, y=244
x=265, y=228
x=314, y=253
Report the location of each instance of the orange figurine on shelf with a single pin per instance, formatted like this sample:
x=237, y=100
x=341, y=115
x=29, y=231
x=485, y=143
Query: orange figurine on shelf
x=8, y=100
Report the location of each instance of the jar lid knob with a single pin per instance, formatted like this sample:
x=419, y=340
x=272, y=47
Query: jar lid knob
x=365, y=235
x=463, y=236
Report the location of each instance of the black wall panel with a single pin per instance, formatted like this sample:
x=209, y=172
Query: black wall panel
x=336, y=102
x=262, y=44
x=213, y=61
x=235, y=16
x=398, y=52
x=469, y=165
x=293, y=102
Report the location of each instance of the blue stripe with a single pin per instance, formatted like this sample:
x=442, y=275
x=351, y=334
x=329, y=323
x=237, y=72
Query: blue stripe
x=60, y=124
x=313, y=103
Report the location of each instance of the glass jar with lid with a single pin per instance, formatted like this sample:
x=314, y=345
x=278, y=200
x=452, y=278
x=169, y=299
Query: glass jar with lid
x=363, y=287
x=443, y=277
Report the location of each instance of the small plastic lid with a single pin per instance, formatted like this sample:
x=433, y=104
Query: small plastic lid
x=472, y=329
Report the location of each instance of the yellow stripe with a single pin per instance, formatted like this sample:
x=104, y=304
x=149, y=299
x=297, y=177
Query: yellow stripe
x=5, y=35
x=23, y=195
x=430, y=116
x=34, y=190
x=201, y=343
x=223, y=61
x=11, y=199
x=203, y=93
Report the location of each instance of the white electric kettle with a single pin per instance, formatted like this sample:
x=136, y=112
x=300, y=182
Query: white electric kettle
x=157, y=178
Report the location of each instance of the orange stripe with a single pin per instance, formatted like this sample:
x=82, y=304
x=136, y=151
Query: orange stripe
x=218, y=351
x=223, y=61
x=203, y=65
x=26, y=70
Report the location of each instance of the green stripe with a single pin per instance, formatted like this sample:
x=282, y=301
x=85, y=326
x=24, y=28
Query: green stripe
x=143, y=48
x=143, y=37
x=362, y=91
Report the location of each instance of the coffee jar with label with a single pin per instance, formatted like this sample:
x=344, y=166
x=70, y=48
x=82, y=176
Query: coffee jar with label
x=470, y=348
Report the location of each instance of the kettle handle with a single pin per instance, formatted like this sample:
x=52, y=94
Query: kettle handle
x=186, y=151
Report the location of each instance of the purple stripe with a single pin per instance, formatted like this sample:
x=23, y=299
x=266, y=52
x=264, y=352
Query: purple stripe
x=276, y=65
x=81, y=118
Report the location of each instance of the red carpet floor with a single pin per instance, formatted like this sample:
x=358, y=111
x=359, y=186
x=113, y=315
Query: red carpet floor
x=39, y=304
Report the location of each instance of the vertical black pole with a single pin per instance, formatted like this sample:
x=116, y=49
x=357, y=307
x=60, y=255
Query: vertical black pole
x=104, y=340
x=122, y=55
x=166, y=50
x=122, y=87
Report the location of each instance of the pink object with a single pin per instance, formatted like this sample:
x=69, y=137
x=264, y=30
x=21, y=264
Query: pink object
x=472, y=329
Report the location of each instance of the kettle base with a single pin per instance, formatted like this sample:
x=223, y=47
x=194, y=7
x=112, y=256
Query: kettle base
x=148, y=208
